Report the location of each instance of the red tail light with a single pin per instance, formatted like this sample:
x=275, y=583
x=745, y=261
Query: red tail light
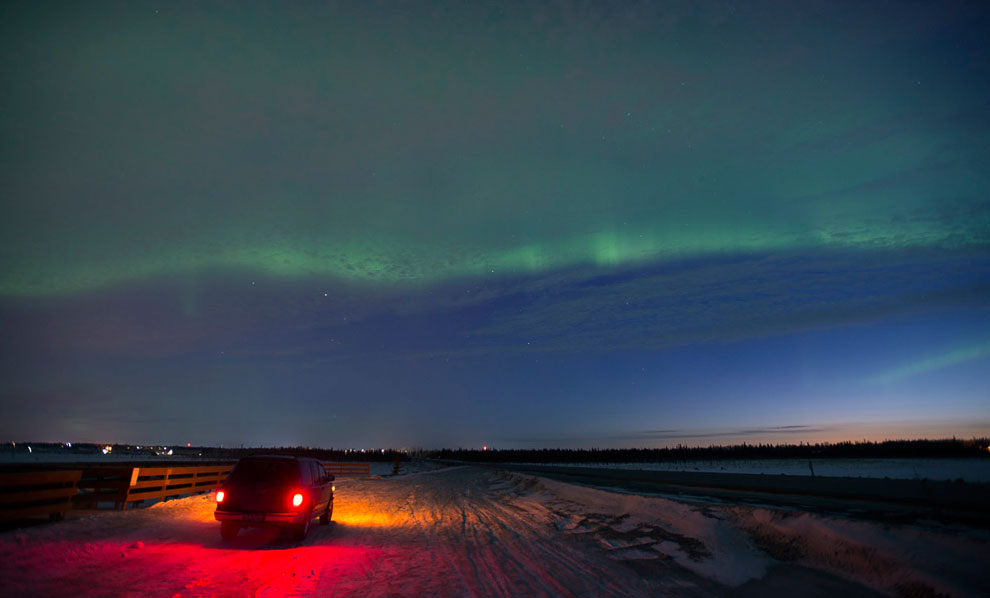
x=297, y=499
x=220, y=496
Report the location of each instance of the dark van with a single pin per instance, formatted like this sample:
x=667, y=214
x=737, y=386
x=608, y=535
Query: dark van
x=264, y=491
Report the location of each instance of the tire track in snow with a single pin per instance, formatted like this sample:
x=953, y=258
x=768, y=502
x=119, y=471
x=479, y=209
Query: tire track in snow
x=511, y=553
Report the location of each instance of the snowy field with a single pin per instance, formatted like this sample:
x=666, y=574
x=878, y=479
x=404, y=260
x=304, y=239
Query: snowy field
x=970, y=470
x=465, y=531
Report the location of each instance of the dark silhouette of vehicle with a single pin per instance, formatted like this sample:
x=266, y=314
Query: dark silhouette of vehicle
x=266, y=491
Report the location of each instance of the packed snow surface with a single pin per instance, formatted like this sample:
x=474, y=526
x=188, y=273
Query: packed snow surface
x=474, y=532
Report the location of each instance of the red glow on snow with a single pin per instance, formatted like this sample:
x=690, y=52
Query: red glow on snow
x=297, y=499
x=178, y=545
x=257, y=563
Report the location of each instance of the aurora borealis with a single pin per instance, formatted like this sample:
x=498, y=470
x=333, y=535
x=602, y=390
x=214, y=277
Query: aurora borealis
x=514, y=224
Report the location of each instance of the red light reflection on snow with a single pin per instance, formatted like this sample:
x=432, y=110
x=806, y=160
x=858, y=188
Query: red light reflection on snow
x=176, y=549
x=256, y=564
x=259, y=562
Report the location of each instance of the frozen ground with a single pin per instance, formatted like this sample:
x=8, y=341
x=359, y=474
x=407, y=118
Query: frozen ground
x=970, y=470
x=466, y=531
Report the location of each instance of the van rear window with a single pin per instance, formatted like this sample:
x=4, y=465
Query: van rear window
x=265, y=471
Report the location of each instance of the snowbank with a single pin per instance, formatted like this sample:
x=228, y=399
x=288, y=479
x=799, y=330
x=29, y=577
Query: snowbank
x=969, y=470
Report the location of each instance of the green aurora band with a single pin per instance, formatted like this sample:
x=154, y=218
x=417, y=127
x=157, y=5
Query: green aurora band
x=357, y=149
x=386, y=263
x=956, y=356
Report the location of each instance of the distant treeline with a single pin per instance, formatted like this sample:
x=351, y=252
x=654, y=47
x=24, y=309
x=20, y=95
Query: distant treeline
x=178, y=453
x=331, y=454
x=976, y=447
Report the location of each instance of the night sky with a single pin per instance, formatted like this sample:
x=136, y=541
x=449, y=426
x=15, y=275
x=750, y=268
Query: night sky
x=520, y=224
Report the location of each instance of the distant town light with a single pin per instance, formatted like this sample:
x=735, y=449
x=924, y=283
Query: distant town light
x=484, y=448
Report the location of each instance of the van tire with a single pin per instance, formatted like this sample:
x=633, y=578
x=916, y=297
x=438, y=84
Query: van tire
x=299, y=532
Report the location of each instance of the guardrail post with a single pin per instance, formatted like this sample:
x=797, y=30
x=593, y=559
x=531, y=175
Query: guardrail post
x=135, y=473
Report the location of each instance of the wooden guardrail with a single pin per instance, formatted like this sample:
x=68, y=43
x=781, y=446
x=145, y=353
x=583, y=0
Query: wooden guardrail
x=347, y=468
x=29, y=494
x=123, y=485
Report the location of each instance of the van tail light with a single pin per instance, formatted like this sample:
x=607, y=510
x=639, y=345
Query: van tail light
x=297, y=499
x=220, y=495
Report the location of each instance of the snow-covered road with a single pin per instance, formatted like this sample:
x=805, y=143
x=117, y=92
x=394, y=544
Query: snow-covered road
x=472, y=532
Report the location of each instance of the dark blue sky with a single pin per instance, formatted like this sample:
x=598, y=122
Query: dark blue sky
x=430, y=224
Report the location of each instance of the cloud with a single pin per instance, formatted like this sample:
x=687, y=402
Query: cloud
x=765, y=431
x=684, y=434
x=578, y=310
x=731, y=298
